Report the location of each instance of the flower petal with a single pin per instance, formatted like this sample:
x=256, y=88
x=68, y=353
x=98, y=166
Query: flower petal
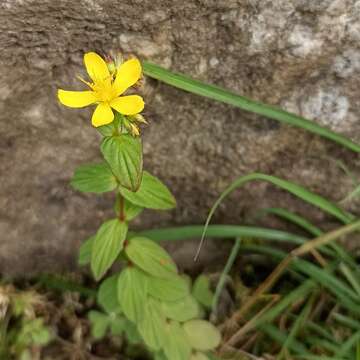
x=76, y=99
x=102, y=115
x=128, y=105
x=127, y=75
x=96, y=67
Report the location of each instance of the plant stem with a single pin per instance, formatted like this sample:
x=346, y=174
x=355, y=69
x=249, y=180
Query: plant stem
x=122, y=216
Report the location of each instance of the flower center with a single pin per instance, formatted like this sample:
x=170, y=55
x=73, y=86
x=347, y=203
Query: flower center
x=104, y=91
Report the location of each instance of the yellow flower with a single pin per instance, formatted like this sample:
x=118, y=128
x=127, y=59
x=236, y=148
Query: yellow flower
x=106, y=90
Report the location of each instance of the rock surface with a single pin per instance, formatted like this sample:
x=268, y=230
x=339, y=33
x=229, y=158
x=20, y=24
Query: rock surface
x=303, y=55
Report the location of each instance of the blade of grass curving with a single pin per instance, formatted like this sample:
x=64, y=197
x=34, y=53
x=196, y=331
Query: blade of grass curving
x=58, y=283
x=293, y=218
x=219, y=94
x=312, y=229
x=346, y=321
x=296, y=327
x=325, y=344
x=320, y=330
x=321, y=276
x=221, y=283
x=223, y=232
x=291, y=187
x=301, y=292
x=280, y=337
x=348, y=346
x=351, y=277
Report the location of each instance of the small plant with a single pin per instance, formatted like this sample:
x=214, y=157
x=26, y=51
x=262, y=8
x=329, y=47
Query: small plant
x=22, y=332
x=148, y=299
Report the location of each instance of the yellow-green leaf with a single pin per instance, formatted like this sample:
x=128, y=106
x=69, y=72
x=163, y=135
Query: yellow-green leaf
x=150, y=257
x=151, y=327
x=95, y=178
x=108, y=243
x=132, y=293
x=107, y=295
x=123, y=153
x=152, y=194
x=181, y=310
x=201, y=291
x=177, y=346
x=85, y=251
x=170, y=289
x=202, y=335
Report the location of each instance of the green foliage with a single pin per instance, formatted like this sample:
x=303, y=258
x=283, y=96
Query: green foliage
x=21, y=330
x=151, y=258
x=152, y=194
x=177, y=346
x=182, y=310
x=169, y=289
x=123, y=153
x=99, y=323
x=108, y=243
x=201, y=291
x=95, y=178
x=107, y=295
x=85, y=251
x=151, y=326
x=202, y=335
x=132, y=293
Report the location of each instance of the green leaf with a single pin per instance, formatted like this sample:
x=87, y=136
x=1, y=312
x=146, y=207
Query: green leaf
x=151, y=327
x=152, y=194
x=131, y=210
x=182, y=310
x=107, y=295
x=201, y=291
x=150, y=257
x=123, y=153
x=171, y=289
x=177, y=346
x=118, y=325
x=202, y=335
x=132, y=293
x=99, y=324
x=106, y=130
x=95, y=178
x=132, y=333
x=85, y=251
x=219, y=94
x=108, y=243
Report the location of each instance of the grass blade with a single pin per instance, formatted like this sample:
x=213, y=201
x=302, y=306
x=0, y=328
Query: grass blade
x=221, y=283
x=291, y=187
x=219, y=94
x=222, y=231
x=293, y=218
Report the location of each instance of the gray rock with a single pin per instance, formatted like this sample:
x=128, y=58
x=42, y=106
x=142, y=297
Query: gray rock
x=302, y=55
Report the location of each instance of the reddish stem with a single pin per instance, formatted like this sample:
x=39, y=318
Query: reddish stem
x=122, y=216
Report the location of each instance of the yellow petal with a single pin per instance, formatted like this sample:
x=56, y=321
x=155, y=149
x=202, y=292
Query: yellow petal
x=102, y=115
x=96, y=67
x=76, y=99
x=127, y=75
x=128, y=105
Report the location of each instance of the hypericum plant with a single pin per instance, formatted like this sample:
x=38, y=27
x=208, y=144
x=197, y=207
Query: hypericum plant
x=148, y=299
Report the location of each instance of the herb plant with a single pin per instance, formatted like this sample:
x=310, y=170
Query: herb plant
x=148, y=299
